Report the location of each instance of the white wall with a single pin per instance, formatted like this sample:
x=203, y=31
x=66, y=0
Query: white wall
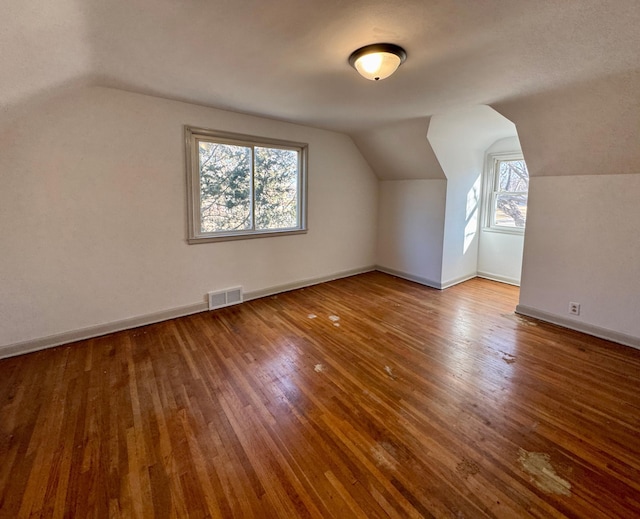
x=581, y=147
x=428, y=229
x=410, y=228
x=93, y=209
x=583, y=245
x=500, y=254
x=459, y=140
x=460, y=246
x=412, y=199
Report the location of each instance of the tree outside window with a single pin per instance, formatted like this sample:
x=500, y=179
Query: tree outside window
x=509, y=186
x=242, y=186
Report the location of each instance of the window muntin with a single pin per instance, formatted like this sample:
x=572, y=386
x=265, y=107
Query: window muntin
x=243, y=186
x=509, y=185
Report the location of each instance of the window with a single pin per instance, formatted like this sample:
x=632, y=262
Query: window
x=241, y=186
x=507, y=186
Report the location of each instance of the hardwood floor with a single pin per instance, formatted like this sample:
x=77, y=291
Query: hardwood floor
x=410, y=403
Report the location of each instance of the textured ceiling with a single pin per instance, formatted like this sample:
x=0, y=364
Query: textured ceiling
x=287, y=59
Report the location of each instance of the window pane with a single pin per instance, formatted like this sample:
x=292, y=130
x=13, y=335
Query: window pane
x=510, y=210
x=513, y=175
x=276, y=188
x=225, y=187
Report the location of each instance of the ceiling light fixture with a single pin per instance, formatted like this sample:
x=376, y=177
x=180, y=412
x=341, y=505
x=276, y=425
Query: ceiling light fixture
x=377, y=61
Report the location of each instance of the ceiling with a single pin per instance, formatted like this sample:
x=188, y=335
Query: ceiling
x=287, y=59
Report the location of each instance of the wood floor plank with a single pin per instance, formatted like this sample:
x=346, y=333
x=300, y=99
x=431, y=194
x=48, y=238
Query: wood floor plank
x=368, y=396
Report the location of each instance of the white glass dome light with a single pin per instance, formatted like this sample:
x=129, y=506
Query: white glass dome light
x=377, y=61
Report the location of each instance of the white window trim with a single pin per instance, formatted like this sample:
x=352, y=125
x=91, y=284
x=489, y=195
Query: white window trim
x=194, y=233
x=489, y=192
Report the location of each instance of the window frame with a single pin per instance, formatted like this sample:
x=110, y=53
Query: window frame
x=491, y=191
x=193, y=135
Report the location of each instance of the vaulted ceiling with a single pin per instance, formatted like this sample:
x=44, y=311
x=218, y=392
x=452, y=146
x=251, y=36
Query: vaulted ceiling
x=287, y=59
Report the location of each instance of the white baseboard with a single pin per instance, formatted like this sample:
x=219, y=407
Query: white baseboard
x=457, y=281
x=499, y=278
x=20, y=348
x=425, y=281
x=257, y=294
x=51, y=341
x=589, y=329
x=409, y=277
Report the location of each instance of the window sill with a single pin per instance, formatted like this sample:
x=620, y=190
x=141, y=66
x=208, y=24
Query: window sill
x=243, y=236
x=518, y=231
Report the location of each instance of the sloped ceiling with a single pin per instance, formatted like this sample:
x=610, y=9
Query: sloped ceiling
x=400, y=150
x=287, y=59
x=471, y=129
x=44, y=47
x=591, y=128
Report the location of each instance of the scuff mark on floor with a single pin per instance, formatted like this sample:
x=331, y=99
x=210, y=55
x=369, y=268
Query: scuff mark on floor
x=508, y=358
x=542, y=474
x=335, y=320
x=389, y=371
x=319, y=368
x=312, y=316
x=382, y=458
x=467, y=468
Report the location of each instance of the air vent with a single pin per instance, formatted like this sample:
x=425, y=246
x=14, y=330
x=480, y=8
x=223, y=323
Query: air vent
x=222, y=298
x=234, y=296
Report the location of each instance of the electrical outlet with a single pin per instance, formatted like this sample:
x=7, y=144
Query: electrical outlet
x=574, y=308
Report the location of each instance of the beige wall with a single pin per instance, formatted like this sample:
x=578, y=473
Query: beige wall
x=93, y=204
x=583, y=223
x=411, y=228
x=582, y=244
x=93, y=209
